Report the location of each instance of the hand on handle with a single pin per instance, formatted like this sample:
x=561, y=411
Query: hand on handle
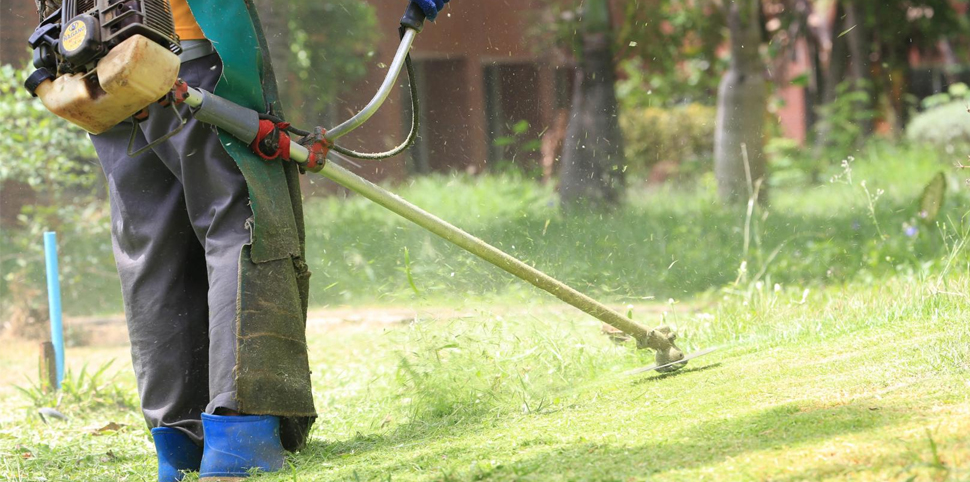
x=430, y=7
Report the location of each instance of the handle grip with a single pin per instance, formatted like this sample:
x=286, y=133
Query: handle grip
x=413, y=18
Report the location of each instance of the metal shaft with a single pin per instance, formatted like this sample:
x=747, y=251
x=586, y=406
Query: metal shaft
x=485, y=251
x=392, y=73
x=227, y=115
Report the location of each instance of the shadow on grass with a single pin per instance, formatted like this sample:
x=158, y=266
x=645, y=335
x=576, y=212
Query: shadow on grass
x=418, y=430
x=663, y=376
x=429, y=427
x=915, y=464
x=706, y=444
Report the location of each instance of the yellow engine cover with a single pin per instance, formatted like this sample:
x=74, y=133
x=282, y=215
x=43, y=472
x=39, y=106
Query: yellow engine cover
x=133, y=75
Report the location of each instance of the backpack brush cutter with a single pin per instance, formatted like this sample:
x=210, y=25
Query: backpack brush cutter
x=100, y=62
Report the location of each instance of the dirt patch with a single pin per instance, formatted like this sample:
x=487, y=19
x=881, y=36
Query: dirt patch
x=111, y=331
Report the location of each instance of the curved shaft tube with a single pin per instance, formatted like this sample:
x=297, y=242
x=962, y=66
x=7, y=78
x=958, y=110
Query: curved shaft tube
x=242, y=124
x=392, y=74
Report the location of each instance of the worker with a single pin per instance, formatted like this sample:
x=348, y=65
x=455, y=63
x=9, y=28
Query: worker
x=208, y=241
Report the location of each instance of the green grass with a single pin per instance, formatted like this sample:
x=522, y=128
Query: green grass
x=845, y=343
x=864, y=382
x=671, y=242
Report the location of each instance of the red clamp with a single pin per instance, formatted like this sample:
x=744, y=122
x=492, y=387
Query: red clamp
x=141, y=115
x=180, y=92
x=272, y=142
x=319, y=147
x=176, y=96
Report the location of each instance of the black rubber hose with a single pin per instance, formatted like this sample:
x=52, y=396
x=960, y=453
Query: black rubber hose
x=375, y=156
x=415, y=124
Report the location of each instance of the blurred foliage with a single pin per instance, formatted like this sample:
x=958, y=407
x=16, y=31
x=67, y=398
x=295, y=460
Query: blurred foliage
x=843, y=118
x=841, y=121
x=517, y=143
x=945, y=124
x=668, y=242
x=667, y=50
x=676, y=45
x=958, y=92
x=897, y=26
x=40, y=150
x=790, y=163
x=932, y=199
x=331, y=45
x=895, y=30
x=57, y=162
x=681, y=138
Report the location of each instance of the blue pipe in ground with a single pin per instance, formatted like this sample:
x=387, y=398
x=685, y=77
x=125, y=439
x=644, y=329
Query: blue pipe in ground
x=54, y=302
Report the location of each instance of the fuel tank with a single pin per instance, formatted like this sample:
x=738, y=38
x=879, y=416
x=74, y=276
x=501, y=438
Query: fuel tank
x=133, y=75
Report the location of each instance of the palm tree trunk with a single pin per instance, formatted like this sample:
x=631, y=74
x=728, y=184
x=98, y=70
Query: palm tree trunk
x=859, y=49
x=741, y=103
x=592, y=161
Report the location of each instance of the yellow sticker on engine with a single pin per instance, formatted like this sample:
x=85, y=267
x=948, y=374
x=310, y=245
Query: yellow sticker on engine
x=74, y=35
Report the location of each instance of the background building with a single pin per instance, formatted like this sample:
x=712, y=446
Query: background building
x=480, y=73
x=475, y=83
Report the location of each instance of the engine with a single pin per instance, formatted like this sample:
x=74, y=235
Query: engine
x=98, y=62
x=79, y=33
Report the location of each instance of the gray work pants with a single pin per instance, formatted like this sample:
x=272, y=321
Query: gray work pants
x=179, y=220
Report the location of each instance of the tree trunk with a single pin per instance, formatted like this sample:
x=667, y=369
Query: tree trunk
x=858, y=43
x=832, y=76
x=741, y=103
x=813, y=89
x=275, y=19
x=592, y=160
x=274, y=16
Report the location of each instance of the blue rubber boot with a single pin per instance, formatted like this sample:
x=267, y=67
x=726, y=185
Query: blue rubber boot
x=235, y=446
x=177, y=454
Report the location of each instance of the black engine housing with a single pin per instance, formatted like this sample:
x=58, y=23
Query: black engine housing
x=81, y=32
x=80, y=41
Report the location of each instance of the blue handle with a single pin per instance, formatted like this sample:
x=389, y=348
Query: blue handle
x=413, y=17
x=54, y=302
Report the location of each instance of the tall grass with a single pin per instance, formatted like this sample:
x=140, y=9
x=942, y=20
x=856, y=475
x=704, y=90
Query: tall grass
x=674, y=241
x=667, y=242
x=840, y=276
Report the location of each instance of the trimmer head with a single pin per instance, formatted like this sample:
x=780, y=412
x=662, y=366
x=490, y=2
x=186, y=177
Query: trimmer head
x=668, y=356
x=661, y=340
x=670, y=366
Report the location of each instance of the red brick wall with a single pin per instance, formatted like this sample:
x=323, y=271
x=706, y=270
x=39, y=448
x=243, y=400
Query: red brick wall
x=468, y=36
x=17, y=20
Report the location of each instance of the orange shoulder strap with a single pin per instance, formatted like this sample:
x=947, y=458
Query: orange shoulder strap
x=185, y=25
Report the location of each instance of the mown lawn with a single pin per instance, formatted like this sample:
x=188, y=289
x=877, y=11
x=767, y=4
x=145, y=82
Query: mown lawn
x=862, y=382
